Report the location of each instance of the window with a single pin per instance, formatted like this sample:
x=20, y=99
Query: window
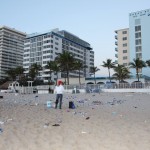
x=125, y=44
x=56, y=48
x=137, y=28
x=125, y=64
x=125, y=57
x=39, y=44
x=139, y=55
x=39, y=38
x=38, y=53
x=138, y=49
x=124, y=38
x=39, y=48
x=34, y=45
x=33, y=40
x=32, y=59
x=32, y=55
x=124, y=32
x=28, y=40
x=47, y=41
x=124, y=51
x=56, y=43
x=138, y=35
x=56, y=38
x=138, y=42
x=38, y=58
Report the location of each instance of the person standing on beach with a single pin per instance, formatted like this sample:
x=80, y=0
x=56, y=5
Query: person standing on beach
x=59, y=89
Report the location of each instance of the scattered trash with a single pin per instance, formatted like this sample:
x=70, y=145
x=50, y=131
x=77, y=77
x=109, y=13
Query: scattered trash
x=46, y=125
x=71, y=105
x=1, y=122
x=49, y=105
x=97, y=103
x=1, y=130
x=56, y=125
x=87, y=118
x=83, y=132
x=114, y=102
x=9, y=120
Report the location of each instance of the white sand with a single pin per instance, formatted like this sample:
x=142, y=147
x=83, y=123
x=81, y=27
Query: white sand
x=121, y=121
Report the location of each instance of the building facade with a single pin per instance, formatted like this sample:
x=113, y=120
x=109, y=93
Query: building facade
x=139, y=34
x=43, y=47
x=135, y=43
x=122, y=46
x=11, y=49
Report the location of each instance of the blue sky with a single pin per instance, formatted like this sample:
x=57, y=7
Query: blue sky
x=92, y=20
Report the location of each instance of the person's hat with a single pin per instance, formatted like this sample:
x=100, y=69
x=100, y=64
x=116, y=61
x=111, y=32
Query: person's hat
x=59, y=82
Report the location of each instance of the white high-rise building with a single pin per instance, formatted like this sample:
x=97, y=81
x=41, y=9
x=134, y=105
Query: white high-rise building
x=11, y=49
x=139, y=35
x=43, y=47
x=134, y=44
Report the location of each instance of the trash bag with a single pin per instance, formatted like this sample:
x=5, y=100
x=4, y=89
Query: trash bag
x=71, y=105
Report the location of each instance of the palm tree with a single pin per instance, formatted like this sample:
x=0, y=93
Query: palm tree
x=93, y=70
x=79, y=66
x=65, y=61
x=108, y=64
x=11, y=74
x=121, y=73
x=34, y=70
x=148, y=63
x=19, y=71
x=137, y=64
x=50, y=67
x=56, y=69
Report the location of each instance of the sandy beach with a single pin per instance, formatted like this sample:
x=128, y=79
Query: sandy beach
x=105, y=121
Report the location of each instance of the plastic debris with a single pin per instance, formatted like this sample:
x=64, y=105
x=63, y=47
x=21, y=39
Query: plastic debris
x=114, y=102
x=46, y=125
x=1, y=122
x=49, y=105
x=1, y=130
x=83, y=132
x=56, y=125
x=87, y=118
x=97, y=103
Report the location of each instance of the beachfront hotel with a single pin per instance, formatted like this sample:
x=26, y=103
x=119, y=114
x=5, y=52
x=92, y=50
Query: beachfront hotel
x=11, y=49
x=122, y=46
x=43, y=47
x=136, y=41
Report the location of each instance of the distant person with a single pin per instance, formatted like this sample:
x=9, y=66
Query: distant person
x=59, y=89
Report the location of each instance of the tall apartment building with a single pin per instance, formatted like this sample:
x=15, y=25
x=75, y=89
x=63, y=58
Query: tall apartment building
x=139, y=30
x=137, y=41
x=43, y=47
x=122, y=46
x=11, y=49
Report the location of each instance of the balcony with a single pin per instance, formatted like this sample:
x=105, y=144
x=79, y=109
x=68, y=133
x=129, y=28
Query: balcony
x=116, y=43
x=116, y=37
x=116, y=49
x=116, y=55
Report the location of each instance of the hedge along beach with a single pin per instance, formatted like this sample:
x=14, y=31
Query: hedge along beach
x=105, y=121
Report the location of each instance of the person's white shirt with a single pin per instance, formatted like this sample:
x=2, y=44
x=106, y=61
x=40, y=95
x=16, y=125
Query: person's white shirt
x=59, y=89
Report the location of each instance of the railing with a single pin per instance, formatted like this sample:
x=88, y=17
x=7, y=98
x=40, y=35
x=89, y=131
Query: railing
x=88, y=88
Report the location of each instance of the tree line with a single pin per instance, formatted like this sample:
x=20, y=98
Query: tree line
x=66, y=62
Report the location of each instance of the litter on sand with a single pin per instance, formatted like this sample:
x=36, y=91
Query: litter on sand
x=87, y=118
x=1, y=130
x=56, y=125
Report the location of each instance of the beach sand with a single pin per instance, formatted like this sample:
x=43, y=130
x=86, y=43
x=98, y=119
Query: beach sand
x=105, y=121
